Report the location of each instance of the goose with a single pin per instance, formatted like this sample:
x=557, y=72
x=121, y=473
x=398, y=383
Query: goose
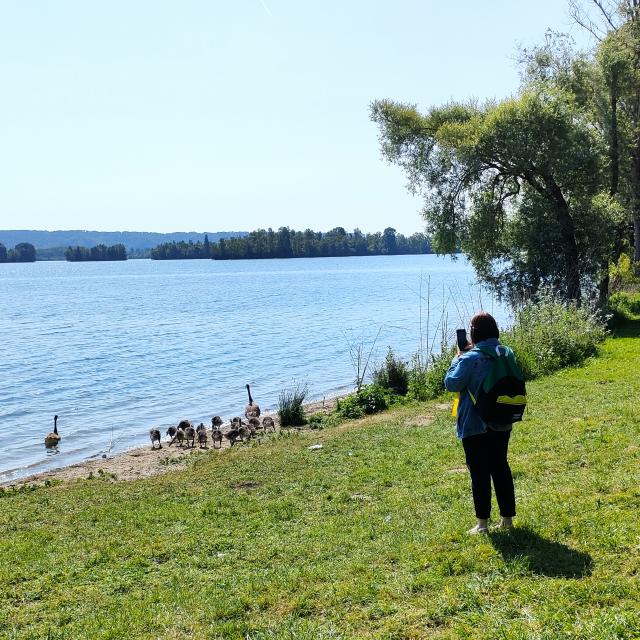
x=252, y=410
x=202, y=437
x=171, y=432
x=154, y=435
x=190, y=435
x=216, y=437
x=216, y=421
x=200, y=427
x=53, y=437
x=268, y=423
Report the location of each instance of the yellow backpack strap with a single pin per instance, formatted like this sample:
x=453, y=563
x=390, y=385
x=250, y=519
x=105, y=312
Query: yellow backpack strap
x=456, y=401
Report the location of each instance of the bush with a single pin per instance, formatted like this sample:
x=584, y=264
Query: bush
x=392, y=374
x=370, y=399
x=290, y=406
x=426, y=382
x=548, y=335
x=622, y=276
x=624, y=306
x=349, y=408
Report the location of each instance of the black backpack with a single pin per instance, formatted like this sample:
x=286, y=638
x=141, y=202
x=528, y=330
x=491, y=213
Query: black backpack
x=502, y=397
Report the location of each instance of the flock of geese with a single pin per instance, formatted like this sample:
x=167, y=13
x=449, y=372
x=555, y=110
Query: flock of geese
x=185, y=432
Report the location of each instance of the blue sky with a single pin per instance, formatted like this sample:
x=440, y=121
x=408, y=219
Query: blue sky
x=157, y=115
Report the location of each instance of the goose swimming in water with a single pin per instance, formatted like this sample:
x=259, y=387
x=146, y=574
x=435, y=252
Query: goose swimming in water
x=52, y=438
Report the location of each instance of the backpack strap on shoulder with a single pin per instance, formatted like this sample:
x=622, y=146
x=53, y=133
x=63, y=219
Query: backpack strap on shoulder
x=498, y=351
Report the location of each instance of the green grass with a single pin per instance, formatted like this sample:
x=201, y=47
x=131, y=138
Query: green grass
x=364, y=538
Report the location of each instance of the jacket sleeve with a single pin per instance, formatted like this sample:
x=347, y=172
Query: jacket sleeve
x=459, y=374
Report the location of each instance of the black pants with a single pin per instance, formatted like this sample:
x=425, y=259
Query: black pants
x=486, y=456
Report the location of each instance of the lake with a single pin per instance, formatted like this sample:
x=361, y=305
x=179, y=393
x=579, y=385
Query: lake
x=115, y=348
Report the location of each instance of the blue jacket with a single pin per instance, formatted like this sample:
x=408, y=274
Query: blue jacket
x=465, y=374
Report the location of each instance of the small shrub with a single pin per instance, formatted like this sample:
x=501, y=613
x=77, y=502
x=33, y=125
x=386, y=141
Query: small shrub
x=290, y=406
x=370, y=399
x=392, y=374
x=426, y=382
x=349, y=408
x=548, y=335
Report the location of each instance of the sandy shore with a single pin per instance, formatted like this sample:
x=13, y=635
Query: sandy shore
x=142, y=462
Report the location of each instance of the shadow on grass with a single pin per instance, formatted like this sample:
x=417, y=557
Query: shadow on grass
x=541, y=556
x=627, y=329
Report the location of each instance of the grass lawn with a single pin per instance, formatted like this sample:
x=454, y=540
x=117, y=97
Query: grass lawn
x=364, y=538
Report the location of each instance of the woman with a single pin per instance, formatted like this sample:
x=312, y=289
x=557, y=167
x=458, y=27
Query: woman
x=485, y=445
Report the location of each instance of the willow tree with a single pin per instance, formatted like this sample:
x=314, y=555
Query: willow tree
x=519, y=186
x=615, y=25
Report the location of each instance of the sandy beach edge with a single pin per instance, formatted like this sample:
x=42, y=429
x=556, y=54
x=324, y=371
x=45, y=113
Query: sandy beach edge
x=141, y=461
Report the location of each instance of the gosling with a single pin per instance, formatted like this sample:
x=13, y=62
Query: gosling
x=179, y=437
x=232, y=435
x=190, y=436
x=216, y=437
x=154, y=435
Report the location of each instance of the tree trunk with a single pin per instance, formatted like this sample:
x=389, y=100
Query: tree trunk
x=603, y=288
x=635, y=202
x=614, y=151
x=568, y=235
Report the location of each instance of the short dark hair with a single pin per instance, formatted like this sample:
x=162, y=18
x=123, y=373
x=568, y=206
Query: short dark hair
x=483, y=327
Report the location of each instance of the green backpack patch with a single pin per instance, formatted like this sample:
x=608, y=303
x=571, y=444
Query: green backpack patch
x=502, y=397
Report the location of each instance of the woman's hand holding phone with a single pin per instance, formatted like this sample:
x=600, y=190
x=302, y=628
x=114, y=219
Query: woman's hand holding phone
x=462, y=341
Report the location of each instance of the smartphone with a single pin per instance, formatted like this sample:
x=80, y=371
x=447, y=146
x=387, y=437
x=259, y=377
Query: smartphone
x=462, y=340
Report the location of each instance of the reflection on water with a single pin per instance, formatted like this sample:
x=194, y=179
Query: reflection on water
x=115, y=348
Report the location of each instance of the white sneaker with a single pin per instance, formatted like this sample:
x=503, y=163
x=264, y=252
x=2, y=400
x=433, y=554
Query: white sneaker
x=478, y=529
x=504, y=524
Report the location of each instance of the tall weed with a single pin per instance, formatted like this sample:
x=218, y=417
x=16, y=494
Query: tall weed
x=290, y=406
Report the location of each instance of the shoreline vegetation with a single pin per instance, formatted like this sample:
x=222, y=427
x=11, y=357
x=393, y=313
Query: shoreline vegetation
x=354, y=528
x=99, y=253
x=288, y=243
x=260, y=244
x=22, y=252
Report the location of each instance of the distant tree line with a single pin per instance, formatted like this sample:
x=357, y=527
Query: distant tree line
x=99, y=253
x=22, y=252
x=288, y=243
